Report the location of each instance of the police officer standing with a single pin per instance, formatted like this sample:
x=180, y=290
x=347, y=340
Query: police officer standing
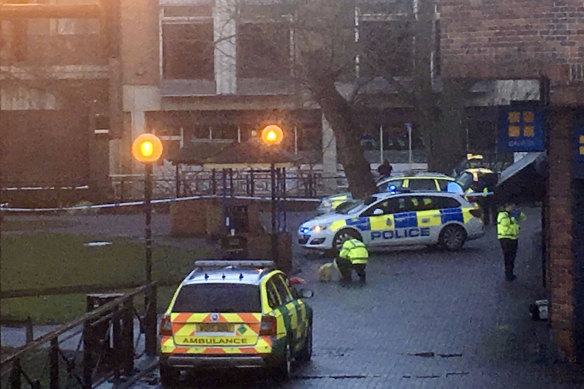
x=384, y=169
x=353, y=255
x=508, y=220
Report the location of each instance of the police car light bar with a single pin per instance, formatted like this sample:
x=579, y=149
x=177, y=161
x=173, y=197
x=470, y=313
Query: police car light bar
x=254, y=263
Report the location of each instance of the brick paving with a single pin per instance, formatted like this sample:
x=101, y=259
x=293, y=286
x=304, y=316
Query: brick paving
x=435, y=319
x=426, y=319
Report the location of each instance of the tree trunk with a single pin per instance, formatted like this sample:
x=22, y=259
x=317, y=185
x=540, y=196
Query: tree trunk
x=440, y=115
x=347, y=130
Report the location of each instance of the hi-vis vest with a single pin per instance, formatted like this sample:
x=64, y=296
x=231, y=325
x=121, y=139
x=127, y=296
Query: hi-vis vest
x=355, y=251
x=508, y=226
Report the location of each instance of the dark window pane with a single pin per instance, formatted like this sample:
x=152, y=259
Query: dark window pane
x=283, y=292
x=422, y=184
x=188, y=51
x=386, y=48
x=190, y=10
x=218, y=298
x=405, y=204
x=263, y=50
x=273, y=297
x=424, y=203
x=443, y=184
x=445, y=202
x=385, y=6
x=385, y=186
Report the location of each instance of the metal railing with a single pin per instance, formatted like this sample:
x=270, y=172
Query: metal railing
x=256, y=183
x=98, y=346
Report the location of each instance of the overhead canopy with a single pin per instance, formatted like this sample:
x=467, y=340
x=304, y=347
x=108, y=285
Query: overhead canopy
x=524, y=180
x=251, y=154
x=518, y=166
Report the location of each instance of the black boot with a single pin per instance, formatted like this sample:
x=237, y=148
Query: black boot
x=363, y=279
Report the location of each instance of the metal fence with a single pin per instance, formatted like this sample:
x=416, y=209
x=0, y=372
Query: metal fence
x=229, y=182
x=101, y=345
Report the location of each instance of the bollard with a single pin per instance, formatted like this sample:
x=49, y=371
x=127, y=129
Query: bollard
x=127, y=351
x=15, y=373
x=117, y=346
x=150, y=336
x=54, y=364
x=29, y=330
x=97, y=336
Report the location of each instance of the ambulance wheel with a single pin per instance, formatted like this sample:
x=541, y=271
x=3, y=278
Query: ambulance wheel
x=168, y=375
x=284, y=367
x=306, y=351
x=452, y=237
x=342, y=236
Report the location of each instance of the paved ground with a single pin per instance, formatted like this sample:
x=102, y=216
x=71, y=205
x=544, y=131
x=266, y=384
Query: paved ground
x=427, y=319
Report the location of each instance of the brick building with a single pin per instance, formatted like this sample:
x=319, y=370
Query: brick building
x=536, y=41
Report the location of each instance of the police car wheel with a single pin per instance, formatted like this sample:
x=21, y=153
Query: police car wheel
x=452, y=237
x=342, y=236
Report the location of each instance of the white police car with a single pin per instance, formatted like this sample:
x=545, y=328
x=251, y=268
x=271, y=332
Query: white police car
x=420, y=181
x=396, y=219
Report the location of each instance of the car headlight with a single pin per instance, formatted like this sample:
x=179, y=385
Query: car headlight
x=319, y=227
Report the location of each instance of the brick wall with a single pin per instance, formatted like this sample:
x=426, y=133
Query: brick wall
x=512, y=39
x=559, y=235
x=520, y=39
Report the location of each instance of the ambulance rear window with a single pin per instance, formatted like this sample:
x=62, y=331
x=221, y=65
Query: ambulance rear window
x=224, y=297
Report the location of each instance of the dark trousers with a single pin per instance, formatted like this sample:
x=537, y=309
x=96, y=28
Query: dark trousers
x=489, y=210
x=509, y=247
x=346, y=268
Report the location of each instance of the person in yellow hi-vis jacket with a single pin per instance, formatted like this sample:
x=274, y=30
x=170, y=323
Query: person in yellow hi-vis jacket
x=353, y=255
x=508, y=220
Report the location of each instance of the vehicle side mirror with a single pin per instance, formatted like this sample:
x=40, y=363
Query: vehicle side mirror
x=306, y=293
x=378, y=211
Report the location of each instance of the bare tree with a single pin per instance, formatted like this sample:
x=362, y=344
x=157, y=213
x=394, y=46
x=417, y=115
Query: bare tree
x=320, y=46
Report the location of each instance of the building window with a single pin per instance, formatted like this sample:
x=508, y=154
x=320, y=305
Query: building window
x=385, y=48
x=263, y=51
x=187, y=43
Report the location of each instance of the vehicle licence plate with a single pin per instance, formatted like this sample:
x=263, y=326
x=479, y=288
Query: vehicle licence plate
x=215, y=327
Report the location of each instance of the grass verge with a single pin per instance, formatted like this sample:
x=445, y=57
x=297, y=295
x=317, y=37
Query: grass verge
x=37, y=260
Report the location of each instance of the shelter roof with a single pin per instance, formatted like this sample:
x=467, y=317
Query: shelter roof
x=252, y=154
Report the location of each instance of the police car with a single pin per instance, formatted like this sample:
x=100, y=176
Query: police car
x=235, y=313
x=426, y=181
x=396, y=219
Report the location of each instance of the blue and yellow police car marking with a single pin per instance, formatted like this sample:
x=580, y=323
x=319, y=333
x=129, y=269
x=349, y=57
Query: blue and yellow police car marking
x=406, y=220
x=381, y=222
x=404, y=225
x=451, y=214
x=402, y=233
x=361, y=223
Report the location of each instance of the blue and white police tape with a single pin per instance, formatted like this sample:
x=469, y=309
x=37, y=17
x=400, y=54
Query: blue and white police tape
x=6, y=208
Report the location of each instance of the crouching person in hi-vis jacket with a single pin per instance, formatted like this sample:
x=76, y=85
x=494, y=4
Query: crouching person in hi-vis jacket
x=353, y=255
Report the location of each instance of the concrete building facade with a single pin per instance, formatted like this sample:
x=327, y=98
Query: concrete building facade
x=187, y=70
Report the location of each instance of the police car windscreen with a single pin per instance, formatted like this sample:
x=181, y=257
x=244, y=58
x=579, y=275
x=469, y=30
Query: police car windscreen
x=223, y=297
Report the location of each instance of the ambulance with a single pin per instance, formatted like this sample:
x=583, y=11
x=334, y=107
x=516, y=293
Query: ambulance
x=235, y=314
